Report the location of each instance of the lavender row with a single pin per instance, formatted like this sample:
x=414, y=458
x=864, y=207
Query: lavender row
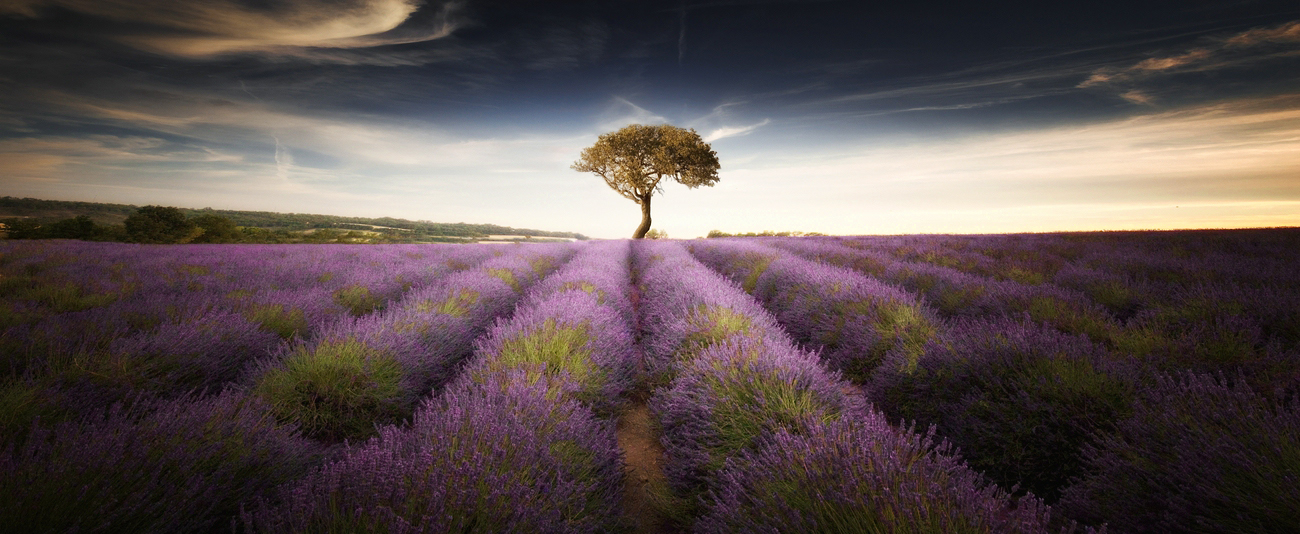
x=182, y=465
x=853, y=320
x=1243, y=257
x=1204, y=328
x=517, y=443
x=74, y=363
x=1136, y=276
x=760, y=438
x=83, y=297
x=190, y=464
x=372, y=370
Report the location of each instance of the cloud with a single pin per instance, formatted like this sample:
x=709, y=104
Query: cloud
x=733, y=131
x=1165, y=63
x=1289, y=32
x=1137, y=97
x=623, y=112
x=206, y=28
x=47, y=158
x=1245, y=47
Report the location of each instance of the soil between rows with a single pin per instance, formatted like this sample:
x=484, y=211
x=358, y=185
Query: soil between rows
x=638, y=436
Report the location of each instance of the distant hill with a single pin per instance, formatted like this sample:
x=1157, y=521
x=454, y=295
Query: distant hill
x=54, y=210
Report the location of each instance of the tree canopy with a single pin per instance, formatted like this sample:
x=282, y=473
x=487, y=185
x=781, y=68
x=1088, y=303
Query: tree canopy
x=635, y=160
x=160, y=224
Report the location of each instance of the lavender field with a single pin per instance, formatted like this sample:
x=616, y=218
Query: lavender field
x=1119, y=382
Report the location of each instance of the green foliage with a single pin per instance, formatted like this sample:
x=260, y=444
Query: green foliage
x=1021, y=418
x=216, y=229
x=338, y=390
x=710, y=325
x=897, y=325
x=758, y=404
x=506, y=275
x=35, y=216
x=20, y=405
x=285, y=322
x=1030, y=429
x=548, y=351
x=456, y=305
x=160, y=224
x=765, y=233
x=635, y=159
x=585, y=287
x=1071, y=319
x=357, y=300
x=80, y=227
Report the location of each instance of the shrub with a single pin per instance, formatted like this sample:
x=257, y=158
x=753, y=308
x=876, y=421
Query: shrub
x=1019, y=399
x=853, y=319
x=861, y=476
x=181, y=466
x=567, y=340
x=501, y=456
x=159, y=224
x=1198, y=455
x=733, y=394
x=357, y=300
x=337, y=390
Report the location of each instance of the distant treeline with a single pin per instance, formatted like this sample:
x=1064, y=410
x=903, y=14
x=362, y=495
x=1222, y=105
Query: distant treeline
x=768, y=233
x=29, y=218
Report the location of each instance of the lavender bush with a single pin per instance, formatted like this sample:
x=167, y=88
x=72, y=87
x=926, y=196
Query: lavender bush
x=685, y=307
x=861, y=476
x=500, y=456
x=1019, y=399
x=732, y=395
x=568, y=338
x=1199, y=454
x=854, y=320
x=371, y=370
x=182, y=466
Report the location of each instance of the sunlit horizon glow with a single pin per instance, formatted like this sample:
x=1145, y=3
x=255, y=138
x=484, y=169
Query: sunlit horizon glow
x=842, y=124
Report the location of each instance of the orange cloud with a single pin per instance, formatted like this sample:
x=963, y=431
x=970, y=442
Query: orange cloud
x=213, y=27
x=1289, y=32
x=1207, y=57
x=1164, y=63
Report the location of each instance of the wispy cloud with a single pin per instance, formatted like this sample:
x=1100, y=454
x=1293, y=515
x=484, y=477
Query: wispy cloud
x=192, y=28
x=623, y=112
x=734, y=131
x=1137, y=97
x=1243, y=48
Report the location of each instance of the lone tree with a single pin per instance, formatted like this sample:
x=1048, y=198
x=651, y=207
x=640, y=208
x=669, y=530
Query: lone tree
x=635, y=159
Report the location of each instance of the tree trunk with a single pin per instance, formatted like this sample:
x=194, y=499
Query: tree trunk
x=645, y=218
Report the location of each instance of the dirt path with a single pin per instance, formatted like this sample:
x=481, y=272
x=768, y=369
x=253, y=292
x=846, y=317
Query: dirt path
x=643, y=456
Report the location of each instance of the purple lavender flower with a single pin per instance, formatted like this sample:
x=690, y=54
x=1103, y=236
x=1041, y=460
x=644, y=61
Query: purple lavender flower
x=180, y=466
x=854, y=320
x=1018, y=398
x=1198, y=455
x=732, y=395
x=500, y=456
x=860, y=475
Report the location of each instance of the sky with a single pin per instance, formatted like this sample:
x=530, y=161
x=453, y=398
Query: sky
x=839, y=117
